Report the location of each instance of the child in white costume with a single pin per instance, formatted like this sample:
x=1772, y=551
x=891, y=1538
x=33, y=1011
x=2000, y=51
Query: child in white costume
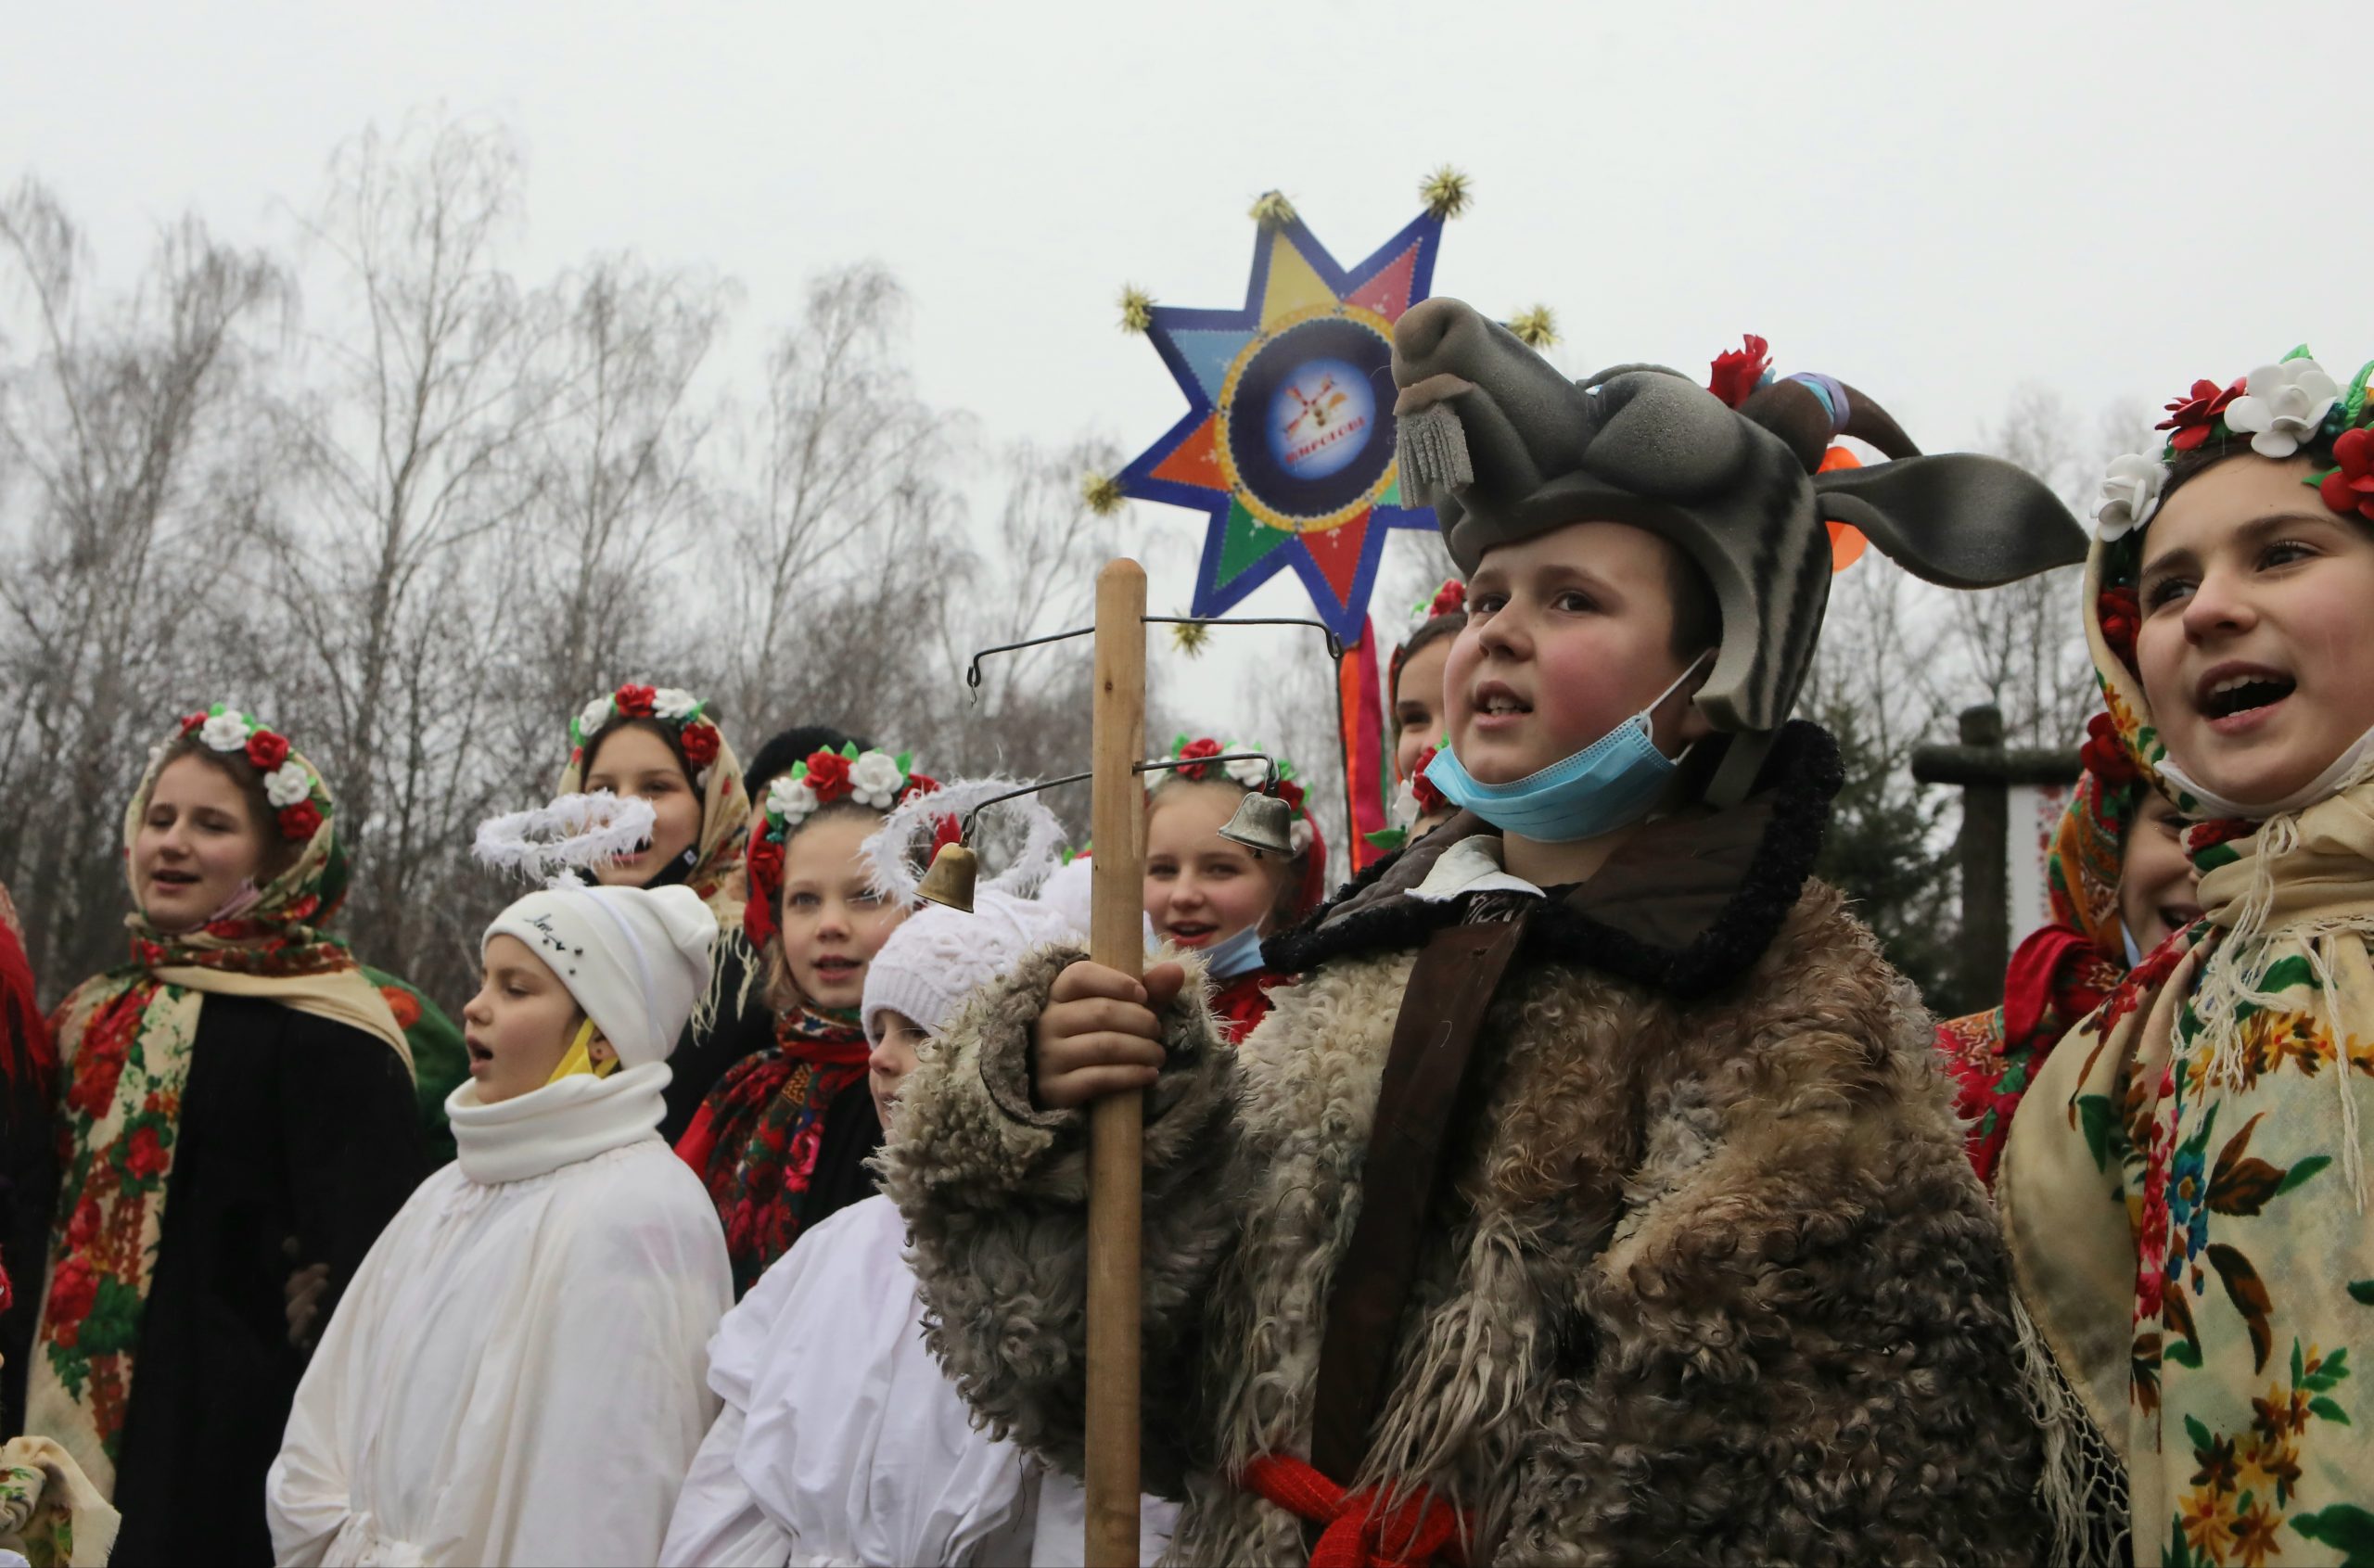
x=516, y=1375
x=841, y=1440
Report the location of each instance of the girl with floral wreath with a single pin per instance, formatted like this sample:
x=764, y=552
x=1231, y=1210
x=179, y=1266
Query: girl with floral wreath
x=663, y=744
x=239, y=1084
x=1214, y=898
x=2119, y=885
x=2185, y=1191
x=783, y=1139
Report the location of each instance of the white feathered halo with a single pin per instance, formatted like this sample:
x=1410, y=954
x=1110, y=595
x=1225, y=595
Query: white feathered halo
x=892, y=852
x=575, y=833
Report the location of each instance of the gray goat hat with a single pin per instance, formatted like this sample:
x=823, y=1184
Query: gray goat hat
x=1506, y=448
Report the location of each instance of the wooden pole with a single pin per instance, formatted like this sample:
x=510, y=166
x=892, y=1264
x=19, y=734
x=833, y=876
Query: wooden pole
x=1117, y=1124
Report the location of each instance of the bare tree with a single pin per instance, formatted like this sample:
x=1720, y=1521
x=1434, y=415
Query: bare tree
x=614, y=491
x=413, y=451
x=2023, y=647
x=119, y=422
x=846, y=457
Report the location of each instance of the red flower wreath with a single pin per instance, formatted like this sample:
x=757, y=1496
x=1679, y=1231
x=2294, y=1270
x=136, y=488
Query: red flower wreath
x=1205, y=748
x=2350, y=488
x=266, y=750
x=1737, y=372
x=301, y=821
x=828, y=775
x=2195, y=413
x=1449, y=599
x=635, y=702
x=700, y=741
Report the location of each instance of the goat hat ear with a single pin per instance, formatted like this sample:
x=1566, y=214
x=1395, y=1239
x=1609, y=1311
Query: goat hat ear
x=1958, y=520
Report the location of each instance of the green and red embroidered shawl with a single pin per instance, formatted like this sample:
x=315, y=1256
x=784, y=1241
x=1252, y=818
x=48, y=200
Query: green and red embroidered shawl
x=124, y=1040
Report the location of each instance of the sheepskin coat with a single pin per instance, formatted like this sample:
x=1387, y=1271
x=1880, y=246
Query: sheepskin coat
x=1707, y=1279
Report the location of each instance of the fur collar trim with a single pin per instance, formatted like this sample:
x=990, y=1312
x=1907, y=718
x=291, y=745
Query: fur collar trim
x=1690, y=903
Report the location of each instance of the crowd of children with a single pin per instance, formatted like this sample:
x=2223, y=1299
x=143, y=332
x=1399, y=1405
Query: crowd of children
x=1579, y=1184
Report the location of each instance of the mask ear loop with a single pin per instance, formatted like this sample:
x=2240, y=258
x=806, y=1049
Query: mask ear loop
x=579, y=1057
x=1648, y=716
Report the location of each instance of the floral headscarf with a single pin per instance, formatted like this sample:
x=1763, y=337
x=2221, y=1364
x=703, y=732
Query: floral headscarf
x=2183, y=1195
x=717, y=776
x=2061, y=971
x=125, y=1041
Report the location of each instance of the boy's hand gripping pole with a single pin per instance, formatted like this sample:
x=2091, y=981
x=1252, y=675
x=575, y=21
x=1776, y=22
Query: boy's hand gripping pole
x=1117, y=1124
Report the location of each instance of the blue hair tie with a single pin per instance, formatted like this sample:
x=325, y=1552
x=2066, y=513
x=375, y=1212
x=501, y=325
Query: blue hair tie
x=1832, y=395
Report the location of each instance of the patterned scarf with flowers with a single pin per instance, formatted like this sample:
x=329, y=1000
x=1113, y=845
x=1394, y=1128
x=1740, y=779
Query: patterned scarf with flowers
x=716, y=777
x=125, y=1043
x=2184, y=1194
x=2063, y=970
x=755, y=1138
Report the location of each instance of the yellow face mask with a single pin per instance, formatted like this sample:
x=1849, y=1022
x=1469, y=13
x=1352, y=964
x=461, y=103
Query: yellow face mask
x=580, y=1057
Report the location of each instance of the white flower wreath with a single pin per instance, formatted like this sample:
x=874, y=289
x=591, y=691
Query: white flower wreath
x=791, y=800
x=1250, y=771
x=593, y=716
x=2130, y=494
x=226, y=731
x=2282, y=406
x=287, y=784
x=875, y=780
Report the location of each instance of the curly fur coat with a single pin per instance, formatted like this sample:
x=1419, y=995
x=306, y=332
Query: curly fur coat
x=1710, y=1280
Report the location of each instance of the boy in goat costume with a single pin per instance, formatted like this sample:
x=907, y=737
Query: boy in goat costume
x=1593, y=1197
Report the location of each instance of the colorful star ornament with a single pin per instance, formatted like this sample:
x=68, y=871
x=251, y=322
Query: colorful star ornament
x=1287, y=442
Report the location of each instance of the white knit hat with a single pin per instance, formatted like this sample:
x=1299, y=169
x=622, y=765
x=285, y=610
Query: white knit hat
x=938, y=957
x=635, y=958
x=1069, y=891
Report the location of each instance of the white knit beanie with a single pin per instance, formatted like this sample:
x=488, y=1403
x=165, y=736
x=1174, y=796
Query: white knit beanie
x=938, y=957
x=635, y=958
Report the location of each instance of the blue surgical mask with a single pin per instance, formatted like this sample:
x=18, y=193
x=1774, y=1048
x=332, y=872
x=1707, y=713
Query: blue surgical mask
x=1240, y=954
x=1610, y=784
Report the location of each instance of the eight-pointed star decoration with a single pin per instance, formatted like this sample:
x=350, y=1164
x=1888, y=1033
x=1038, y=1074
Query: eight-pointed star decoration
x=1287, y=442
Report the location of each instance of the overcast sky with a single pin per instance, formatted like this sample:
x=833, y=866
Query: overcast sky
x=1937, y=203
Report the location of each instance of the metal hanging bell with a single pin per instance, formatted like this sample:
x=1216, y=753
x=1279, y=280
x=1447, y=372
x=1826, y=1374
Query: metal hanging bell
x=1263, y=823
x=950, y=880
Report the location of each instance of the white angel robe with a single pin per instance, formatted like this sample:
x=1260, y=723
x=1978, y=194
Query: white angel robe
x=517, y=1373
x=842, y=1442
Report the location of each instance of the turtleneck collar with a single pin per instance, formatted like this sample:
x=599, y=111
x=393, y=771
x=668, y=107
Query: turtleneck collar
x=558, y=1125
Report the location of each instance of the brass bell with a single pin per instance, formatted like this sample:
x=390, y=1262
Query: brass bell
x=950, y=880
x=1263, y=823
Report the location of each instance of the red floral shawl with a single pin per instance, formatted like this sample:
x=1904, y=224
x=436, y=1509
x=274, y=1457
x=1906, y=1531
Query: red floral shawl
x=2059, y=974
x=124, y=1042
x=753, y=1141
